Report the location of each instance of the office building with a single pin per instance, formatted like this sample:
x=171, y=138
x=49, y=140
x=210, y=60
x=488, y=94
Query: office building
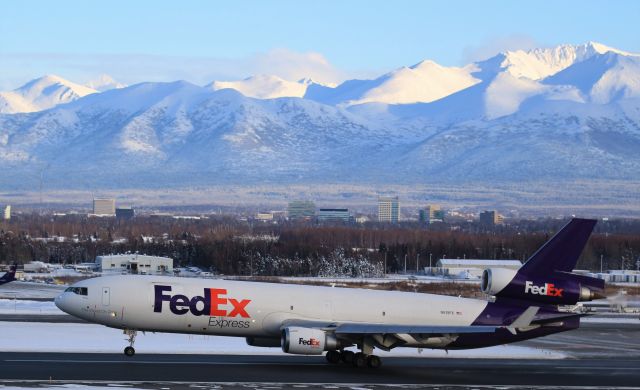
x=388, y=209
x=472, y=267
x=135, y=264
x=125, y=213
x=104, y=206
x=490, y=218
x=432, y=213
x=301, y=210
x=333, y=215
x=7, y=212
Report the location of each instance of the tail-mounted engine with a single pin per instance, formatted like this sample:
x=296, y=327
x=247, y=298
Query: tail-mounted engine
x=557, y=288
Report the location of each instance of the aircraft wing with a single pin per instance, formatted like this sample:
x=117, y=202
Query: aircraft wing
x=368, y=329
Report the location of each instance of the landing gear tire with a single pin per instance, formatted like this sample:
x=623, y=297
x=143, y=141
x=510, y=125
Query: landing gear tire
x=359, y=360
x=333, y=357
x=131, y=334
x=374, y=361
x=347, y=356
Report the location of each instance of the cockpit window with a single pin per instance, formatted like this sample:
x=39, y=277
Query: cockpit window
x=77, y=290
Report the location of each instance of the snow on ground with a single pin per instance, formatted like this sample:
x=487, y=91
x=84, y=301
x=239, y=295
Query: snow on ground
x=389, y=278
x=30, y=290
x=50, y=337
x=19, y=306
x=611, y=320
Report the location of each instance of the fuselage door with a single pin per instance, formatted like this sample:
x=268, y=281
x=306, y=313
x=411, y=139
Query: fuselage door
x=106, y=296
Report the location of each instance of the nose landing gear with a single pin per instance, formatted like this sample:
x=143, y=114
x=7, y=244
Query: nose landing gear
x=130, y=351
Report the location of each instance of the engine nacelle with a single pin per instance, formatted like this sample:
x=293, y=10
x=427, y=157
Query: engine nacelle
x=495, y=280
x=555, y=288
x=307, y=341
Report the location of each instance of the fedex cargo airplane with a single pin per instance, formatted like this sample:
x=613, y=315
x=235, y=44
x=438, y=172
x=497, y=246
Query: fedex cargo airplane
x=9, y=276
x=312, y=320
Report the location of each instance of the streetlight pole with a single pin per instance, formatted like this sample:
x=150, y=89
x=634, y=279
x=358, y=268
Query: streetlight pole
x=430, y=266
x=601, y=263
x=417, y=263
x=405, y=264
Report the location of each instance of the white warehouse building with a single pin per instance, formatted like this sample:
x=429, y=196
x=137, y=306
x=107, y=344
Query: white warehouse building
x=135, y=264
x=472, y=267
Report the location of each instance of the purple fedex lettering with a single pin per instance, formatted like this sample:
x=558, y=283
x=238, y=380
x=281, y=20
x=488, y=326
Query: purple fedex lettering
x=206, y=303
x=212, y=301
x=180, y=304
x=160, y=297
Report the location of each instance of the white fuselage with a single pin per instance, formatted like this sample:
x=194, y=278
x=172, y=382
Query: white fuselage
x=251, y=309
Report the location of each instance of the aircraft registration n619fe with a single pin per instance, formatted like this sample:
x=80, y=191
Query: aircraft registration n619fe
x=310, y=320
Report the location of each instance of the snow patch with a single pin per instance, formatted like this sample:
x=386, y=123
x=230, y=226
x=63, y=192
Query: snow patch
x=90, y=338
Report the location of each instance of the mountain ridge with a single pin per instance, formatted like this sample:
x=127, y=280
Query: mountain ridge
x=580, y=123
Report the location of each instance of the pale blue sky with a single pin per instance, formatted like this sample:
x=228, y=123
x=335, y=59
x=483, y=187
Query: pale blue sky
x=329, y=40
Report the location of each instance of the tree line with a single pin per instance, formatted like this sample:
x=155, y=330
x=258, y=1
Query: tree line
x=227, y=245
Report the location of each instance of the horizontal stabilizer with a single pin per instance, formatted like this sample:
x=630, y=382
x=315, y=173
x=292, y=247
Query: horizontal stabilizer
x=525, y=318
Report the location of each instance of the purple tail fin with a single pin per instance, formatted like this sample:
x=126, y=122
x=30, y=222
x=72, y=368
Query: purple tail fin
x=546, y=278
x=561, y=252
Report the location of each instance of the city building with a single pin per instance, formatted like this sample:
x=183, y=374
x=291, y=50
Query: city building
x=104, y=206
x=472, y=268
x=333, y=215
x=135, y=264
x=490, y=218
x=7, y=212
x=125, y=213
x=362, y=219
x=388, y=209
x=264, y=216
x=301, y=210
x=432, y=213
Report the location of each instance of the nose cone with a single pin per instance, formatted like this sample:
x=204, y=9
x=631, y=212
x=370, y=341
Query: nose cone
x=61, y=302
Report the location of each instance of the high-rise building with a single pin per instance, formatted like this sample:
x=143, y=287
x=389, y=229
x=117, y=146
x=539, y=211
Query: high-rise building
x=7, y=212
x=490, y=218
x=301, y=210
x=104, y=206
x=333, y=215
x=388, y=209
x=432, y=213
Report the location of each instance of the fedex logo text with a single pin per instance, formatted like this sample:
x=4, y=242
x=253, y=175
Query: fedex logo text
x=311, y=342
x=549, y=289
x=213, y=302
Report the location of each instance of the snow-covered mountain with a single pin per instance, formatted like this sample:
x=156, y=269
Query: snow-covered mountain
x=41, y=94
x=546, y=115
x=424, y=82
x=265, y=87
x=104, y=82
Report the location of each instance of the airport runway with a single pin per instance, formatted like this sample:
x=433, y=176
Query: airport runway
x=609, y=372
x=51, y=318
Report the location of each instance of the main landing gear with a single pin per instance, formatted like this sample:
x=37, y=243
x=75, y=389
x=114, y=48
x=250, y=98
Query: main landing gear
x=130, y=351
x=357, y=359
